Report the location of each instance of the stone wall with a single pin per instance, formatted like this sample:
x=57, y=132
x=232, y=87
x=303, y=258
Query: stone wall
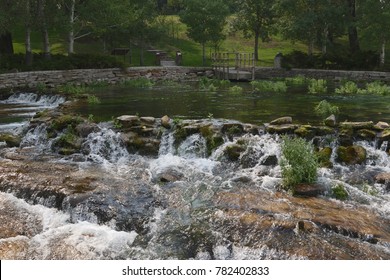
x=115, y=75
x=269, y=73
x=87, y=76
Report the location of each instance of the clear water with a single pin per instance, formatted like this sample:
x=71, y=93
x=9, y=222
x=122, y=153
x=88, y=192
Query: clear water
x=256, y=108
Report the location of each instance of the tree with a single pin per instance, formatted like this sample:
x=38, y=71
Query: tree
x=255, y=18
x=205, y=21
x=375, y=24
x=6, y=20
x=311, y=21
x=353, y=37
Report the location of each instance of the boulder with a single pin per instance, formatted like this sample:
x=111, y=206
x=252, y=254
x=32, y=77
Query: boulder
x=305, y=131
x=281, y=129
x=357, y=125
x=166, y=122
x=271, y=160
x=366, y=134
x=384, y=135
x=330, y=121
x=381, y=125
x=282, y=120
x=324, y=156
x=128, y=121
x=308, y=190
x=84, y=129
x=351, y=155
x=233, y=152
x=10, y=139
x=169, y=175
x=383, y=178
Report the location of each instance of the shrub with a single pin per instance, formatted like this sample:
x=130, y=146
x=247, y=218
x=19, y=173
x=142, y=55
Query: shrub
x=299, y=163
x=325, y=109
x=269, y=86
x=377, y=88
x=235, y=89
x=348, y=88
x=317, y=86
x=72, y=89
x=339, y=192
x=297, y=80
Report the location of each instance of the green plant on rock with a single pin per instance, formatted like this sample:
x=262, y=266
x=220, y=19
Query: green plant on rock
x=317, y=86
x=348, y=88
x=325, y=109
x=369, y=189
x=72, y=89
x=235, y=90
x=116, y=123
x=41, y=88
x=339, y=192
x=299, y=163
x=93, y=99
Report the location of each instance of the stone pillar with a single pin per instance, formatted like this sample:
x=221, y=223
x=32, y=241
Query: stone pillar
x=278, y=60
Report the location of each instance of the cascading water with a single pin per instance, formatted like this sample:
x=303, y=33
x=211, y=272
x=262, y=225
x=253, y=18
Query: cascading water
x=187, y=203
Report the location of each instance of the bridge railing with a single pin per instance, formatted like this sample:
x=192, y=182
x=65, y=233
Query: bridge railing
x=228, y=65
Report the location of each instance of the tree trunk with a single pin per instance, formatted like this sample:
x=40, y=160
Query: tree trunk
x=46, y=44
x=310, y=48
x=325, y=40
x=204, y=54
x=29, y=56
x=6, y=46
x=71, y=23
x=382, y=54
x=256, y=47
x=353, y=37
x=141, y=55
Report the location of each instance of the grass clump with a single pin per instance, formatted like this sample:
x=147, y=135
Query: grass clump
x=73, y=89
x=235, y=90
x=325, y=109
x=339, y=192
x=299, y=163
x=93, y=99
x=297, y=80
x=348, y=88
x=138, y=83
x=269, y=86
x=317, y=86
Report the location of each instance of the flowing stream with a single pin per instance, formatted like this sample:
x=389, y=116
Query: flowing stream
x=185, y=203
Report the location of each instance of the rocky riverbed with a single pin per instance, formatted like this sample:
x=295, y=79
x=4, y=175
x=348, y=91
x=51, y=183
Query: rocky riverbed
x=158, y=188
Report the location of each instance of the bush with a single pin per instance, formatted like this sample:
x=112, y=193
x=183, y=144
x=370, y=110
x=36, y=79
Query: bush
x=317, y=86
x=348, y=88
x=297, y=80
x=325, y=109
x=60, y=62
x=339, y=192
x=377, y=88
x=299, y=163
x=138, y=83
x=235, y=90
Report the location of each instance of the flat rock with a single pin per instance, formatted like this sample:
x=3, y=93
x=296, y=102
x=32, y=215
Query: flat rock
x=308, y=190
x=281, y=129
x=282, y=120
x=357, y=125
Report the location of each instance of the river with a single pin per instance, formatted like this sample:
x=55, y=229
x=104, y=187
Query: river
x=185, y=202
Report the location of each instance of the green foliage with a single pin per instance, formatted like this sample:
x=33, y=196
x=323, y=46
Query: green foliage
x=93, y=99
x=348, y=88
x=91, y=118
x=116, y=123
x=369, y=189
x=72, y=89
x=299, y=163
x=325, y=109
x=41, y=87
x=138, y=83
x=377, y=88
x=235, y=90
x=339, y=192
x=317, y=86
x=269, y=86
x=297, y=80
x=66, y=121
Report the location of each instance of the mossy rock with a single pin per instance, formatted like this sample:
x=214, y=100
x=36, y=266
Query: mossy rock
x=346, y=137
x=232, y=129
x=324, y=156
x=366, y=134
x=281, y=121
x=305, y=131
x=357, y=125
x=10, y=139
x=68, y=141
x=385, y=135
x=233, y=152
x=281, y=129
x=65, y=121
x=324, y=130
x=351, y=155
x=213, y=142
